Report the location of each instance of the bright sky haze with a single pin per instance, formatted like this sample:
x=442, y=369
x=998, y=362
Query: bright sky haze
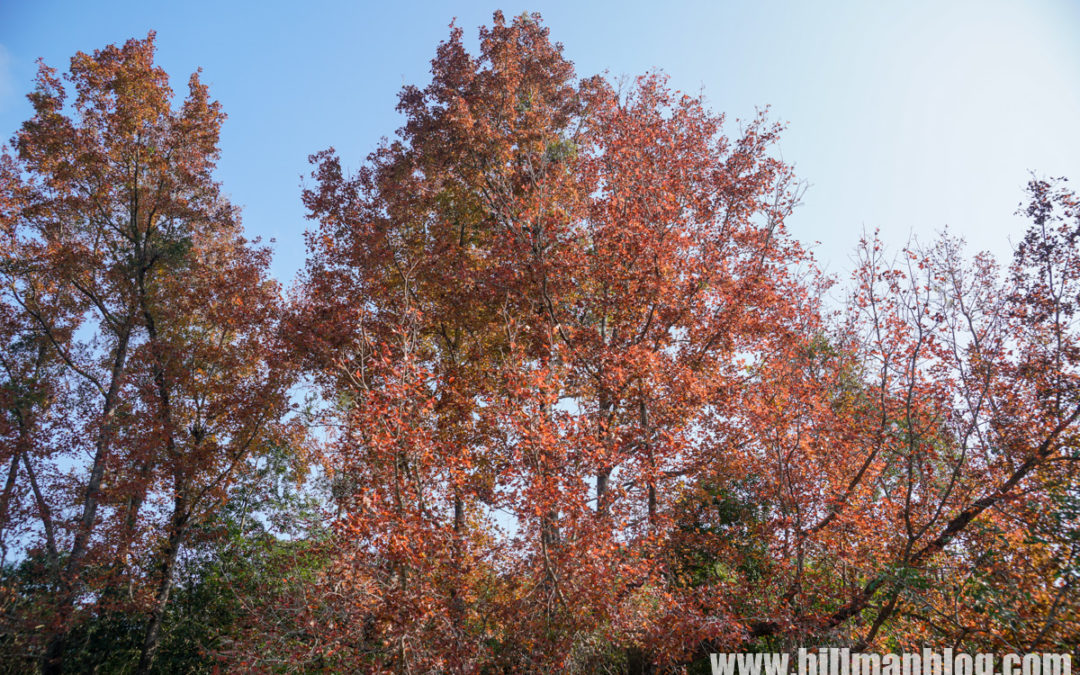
x=904, y=116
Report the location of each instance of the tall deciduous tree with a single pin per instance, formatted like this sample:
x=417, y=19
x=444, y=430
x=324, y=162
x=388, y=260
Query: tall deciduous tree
x=531, y=307
x=129, y=284
x=590, y=405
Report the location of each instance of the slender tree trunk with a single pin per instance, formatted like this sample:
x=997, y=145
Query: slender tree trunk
x=25, y=423
x=152, y=637
x=45, y=513
x=457, y=604
x=9, y=486
x=104, y=445
x=652, y=461
x=459, y=516
x=178, y=527
x=603, y=474
x=54, y=652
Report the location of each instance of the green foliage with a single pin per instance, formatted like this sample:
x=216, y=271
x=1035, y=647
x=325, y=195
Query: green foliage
x=259, y=545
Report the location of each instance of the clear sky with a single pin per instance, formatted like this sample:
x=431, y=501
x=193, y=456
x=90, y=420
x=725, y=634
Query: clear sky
x=905, y=116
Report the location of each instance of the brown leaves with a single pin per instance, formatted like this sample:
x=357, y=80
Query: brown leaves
x=586, y=402
x=157, y=328
x=556, y=287
x=589, y=359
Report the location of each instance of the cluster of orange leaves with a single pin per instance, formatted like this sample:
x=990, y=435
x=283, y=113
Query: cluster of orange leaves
x=590, y=405
x=596, y=406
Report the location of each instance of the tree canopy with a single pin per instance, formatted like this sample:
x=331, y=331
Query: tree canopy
x=576, y=399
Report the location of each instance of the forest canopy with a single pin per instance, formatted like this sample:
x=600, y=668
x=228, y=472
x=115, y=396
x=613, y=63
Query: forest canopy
x=555, y=391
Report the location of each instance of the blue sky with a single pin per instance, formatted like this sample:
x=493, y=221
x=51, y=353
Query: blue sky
x=904, y=116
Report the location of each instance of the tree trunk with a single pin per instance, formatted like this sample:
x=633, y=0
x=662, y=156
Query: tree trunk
x=52, y=662
x=603, y=474
x=152, y=638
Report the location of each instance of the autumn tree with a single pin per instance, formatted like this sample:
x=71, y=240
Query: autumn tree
x=915, y=463
x=592, y=407
x=529, y=309
x=144, y=366
x=586, y=405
